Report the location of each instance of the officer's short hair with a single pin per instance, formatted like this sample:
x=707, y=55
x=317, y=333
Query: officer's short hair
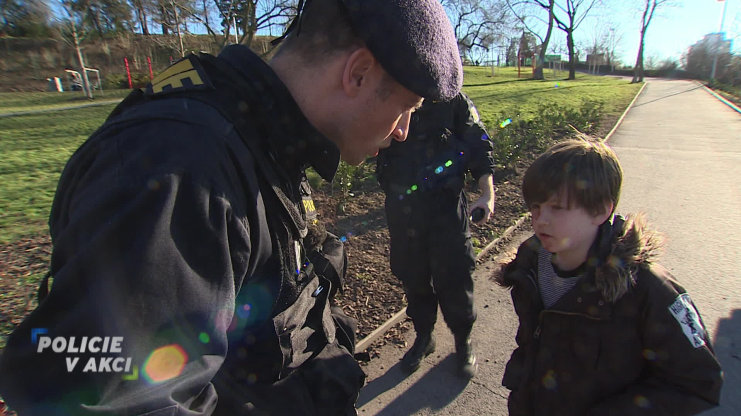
x=323, y=28
x=412, y=39
x=586, y=168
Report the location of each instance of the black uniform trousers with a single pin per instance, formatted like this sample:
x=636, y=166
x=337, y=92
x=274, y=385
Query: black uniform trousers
x=432, y=255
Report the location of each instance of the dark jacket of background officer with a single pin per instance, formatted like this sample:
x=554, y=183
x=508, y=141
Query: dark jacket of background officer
x=181, y=235
x=428, y=219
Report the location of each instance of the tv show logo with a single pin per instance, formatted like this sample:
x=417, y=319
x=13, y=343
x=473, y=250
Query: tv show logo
x=103, y=353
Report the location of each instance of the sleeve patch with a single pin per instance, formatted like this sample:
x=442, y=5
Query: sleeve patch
x=685, y=313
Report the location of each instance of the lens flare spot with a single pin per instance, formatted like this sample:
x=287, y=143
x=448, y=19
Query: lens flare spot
x=549, y=380
x=204, y=338
x=557, y=85
x=414, y=187
x=642, y=402
x=343, y=238
x=449, y=163
x=484, y=137
x=505, y=123
x=649, y=354
x=165, y=363
x=243, y=311
x=439, y=170
x=409, y=191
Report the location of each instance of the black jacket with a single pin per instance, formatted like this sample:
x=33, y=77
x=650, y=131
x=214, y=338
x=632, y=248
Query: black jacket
x=166, y=235
x=445, y=140
x=626, y=340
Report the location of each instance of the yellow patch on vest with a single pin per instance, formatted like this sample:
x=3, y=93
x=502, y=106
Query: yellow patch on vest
x=180, y=75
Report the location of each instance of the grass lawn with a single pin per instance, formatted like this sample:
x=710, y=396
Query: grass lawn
x=504, y=95
x=35, y=148
x=14, y=102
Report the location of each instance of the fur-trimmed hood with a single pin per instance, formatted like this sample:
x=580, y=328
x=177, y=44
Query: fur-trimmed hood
x=623, y=244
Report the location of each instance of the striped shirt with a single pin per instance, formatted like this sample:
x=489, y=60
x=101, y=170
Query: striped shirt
x=552, y=286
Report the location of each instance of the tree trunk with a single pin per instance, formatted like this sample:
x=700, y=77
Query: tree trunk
x=538, y=74
x=572, y=61
x=164, y=21
x=638, y=69
x=142, y=16
x=177, y=28
x=85, y=82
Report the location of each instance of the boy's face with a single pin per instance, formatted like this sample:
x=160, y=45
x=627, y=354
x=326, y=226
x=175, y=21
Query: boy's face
x=566, y=231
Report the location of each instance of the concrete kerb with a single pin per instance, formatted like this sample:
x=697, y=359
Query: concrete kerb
x=720, y=97
x=364, y=343
x=620, y=120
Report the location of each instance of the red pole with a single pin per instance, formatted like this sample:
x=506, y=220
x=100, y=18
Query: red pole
x=128, y=73
x=149, y=63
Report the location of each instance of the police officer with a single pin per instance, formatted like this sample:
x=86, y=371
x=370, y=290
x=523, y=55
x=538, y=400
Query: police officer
x=428, y=219
x=181, y=229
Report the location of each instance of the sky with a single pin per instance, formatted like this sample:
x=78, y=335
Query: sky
x=671, y=32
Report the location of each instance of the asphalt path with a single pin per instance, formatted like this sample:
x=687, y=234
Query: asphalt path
x=681, y=151
x=680, y=148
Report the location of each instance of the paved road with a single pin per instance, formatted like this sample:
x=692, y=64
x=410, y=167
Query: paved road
x=681, y=151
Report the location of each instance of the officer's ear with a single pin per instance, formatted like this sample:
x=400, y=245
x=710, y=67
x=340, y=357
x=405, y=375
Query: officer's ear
x=358, y=67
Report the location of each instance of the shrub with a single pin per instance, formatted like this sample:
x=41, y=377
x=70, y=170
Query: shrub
x=514, y=138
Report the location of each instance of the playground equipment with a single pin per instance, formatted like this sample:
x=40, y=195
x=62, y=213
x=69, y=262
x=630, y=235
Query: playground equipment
x=74, y=79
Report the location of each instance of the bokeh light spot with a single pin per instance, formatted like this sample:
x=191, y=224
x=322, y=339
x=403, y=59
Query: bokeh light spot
x=505, y=123
x=642, y=402
x=165, y=363
x=204, y=338
x=549, y=380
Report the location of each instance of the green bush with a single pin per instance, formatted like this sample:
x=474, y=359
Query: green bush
x=514, y=138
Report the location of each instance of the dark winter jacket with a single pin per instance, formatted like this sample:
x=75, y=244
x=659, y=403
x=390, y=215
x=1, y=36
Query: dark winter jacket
x=626, y=340
x=445, y=140
x=173, y=238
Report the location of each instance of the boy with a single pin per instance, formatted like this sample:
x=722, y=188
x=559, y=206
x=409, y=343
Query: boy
x=603, y=330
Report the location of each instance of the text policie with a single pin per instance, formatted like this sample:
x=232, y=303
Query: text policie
x=91, y=345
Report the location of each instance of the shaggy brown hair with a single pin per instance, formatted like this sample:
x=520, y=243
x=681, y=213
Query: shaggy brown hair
x=587, y=169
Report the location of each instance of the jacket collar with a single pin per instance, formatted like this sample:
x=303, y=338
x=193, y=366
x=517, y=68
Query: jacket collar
x=294, y=142
x=622, y=245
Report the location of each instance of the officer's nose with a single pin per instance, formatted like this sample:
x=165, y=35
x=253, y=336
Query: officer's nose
x=402, y=127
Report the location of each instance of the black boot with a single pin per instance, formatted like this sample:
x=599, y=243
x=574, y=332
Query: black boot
x=465, y=357
x=424, y=345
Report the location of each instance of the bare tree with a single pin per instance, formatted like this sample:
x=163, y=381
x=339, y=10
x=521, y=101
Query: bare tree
x=478, y=24
x=521, y=11
x=570, y=22
x=612, y=42
x=73, y=33
x=602, y=47
x=648, y=14
x=250, y=16
x=142, y=10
